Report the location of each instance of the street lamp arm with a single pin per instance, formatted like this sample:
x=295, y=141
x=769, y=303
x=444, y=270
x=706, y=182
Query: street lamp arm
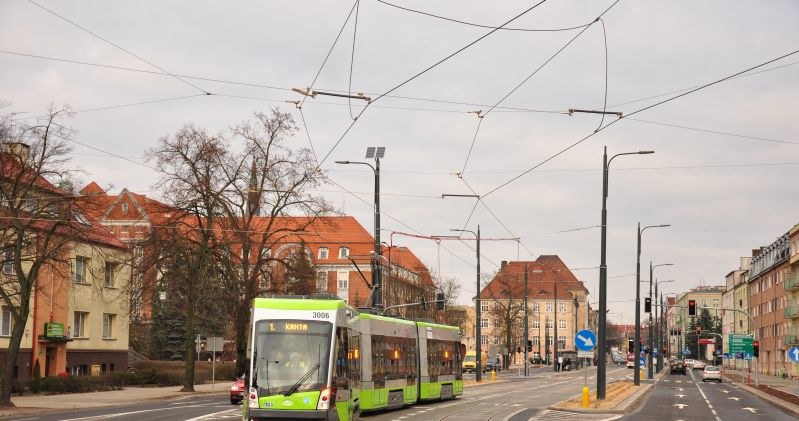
x=359, y=163
x=629, y=153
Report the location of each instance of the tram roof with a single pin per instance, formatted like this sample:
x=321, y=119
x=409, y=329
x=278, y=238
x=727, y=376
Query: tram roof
x=298, y=303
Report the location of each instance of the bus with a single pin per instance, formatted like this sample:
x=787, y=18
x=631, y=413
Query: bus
x=318, y=358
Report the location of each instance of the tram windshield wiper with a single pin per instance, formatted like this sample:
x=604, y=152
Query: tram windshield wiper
x=302, y=379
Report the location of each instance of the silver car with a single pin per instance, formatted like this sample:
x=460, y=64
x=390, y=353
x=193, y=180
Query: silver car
x=711, y=372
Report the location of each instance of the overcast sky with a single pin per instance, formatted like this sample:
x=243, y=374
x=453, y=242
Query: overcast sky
x=723, y=194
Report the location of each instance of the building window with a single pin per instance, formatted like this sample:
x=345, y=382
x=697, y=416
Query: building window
x=549, y=324
x=483, y=306
x=79, y=329
x=561, y=342
x=536, y=324
x=7, y=322
x=562, y=324
x=343, y=278
x=484, y=339
x=124, y=208
x=536, y=341
x=8, y=261
x=550, y=341
x=536, y=306
x=110, y=274
x=562, y=306
x=323, y=252
x=108, y=325
x=483, y=322
x=321, y=281
x=343, y=252
x=496, y=322
x=550, y=306
x=81, y=264
x=704, y=302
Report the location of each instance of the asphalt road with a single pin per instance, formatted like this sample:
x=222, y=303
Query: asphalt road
x=685, y=397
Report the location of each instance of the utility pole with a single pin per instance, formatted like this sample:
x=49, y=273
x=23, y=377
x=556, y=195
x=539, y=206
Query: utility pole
x=526, y=330
x=555, y=352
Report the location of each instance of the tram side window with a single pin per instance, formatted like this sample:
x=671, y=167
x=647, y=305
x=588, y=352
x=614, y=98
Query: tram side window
x=442, y=358
x=393, y=358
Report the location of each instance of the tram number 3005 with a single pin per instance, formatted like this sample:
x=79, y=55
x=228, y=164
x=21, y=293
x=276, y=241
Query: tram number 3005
x=321, y=315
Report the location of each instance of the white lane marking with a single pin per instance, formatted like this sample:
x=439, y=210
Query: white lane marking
x=509, y=416
x=752, y=410
x=680, y=396
x=706, y=400
x=121, y=414
x=226, y=413
x=680, y=405
x=735, y=398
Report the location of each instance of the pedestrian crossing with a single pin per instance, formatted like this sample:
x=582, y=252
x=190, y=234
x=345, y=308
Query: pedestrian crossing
x=554, y=415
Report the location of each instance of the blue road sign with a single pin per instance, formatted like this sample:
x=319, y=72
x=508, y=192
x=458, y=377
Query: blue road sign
x=654, y=352
x=585, y=340
x=687, y=351
x=747, y=356
x=793, y=354
x=726, y=356
x=643, y=361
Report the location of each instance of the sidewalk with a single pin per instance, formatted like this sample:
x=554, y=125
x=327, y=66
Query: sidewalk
x=787, y=389
x=34, y=403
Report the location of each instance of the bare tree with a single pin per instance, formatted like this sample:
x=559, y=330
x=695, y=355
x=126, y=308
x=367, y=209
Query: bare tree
x=507, y=307
x=39, y=221
x=269, y=181
x=197, y=172
x=451, y=289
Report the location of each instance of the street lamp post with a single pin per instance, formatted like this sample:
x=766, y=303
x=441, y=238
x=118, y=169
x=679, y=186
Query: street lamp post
x=651, y=311
x=637, y=341
x=659, y=333
x=377, y=285
x=601, y=376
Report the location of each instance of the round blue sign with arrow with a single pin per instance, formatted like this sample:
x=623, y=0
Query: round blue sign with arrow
x=793, y=354
x=585, y=340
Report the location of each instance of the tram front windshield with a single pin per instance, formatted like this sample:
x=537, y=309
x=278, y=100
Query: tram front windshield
x=291, y=354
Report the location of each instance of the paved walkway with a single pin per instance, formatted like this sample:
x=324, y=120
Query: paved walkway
x=786, y=385
x=30, y=402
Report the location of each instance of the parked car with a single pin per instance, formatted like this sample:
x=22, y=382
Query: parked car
x=677, y=366
x=711, y=372
x=630, y=361
x=494, y=365
x=237, y=391
x=699, y=365
x=689, y=363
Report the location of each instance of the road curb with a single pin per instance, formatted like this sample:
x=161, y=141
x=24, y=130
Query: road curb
x=772, y=399
x=621, y=408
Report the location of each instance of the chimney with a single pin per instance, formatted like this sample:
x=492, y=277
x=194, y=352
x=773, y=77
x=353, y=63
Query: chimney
x=502, y=265
x=19, y=150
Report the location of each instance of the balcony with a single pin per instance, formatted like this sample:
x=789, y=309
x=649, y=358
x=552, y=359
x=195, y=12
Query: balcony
x=791, y=312
x=790, y=340
x=791, y=282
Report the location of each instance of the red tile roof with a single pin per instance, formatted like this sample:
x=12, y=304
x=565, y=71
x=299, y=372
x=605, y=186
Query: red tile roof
x=542, y=274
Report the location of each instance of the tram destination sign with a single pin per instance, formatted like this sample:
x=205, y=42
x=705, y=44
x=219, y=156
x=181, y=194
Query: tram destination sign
x=741, y=343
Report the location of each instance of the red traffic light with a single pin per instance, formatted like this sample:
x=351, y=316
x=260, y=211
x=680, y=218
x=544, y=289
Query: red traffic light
x=692, y=307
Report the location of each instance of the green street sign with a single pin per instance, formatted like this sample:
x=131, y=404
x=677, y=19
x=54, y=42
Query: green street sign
x=53, y=330
x=741, y=343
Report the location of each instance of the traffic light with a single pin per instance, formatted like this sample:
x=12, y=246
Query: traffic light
x=529, y=345
x=423, y=303
x=647, y=305
x=440, y=300
x=756, y=348
x=698, y=330
x=692, y=307
x=630, y=347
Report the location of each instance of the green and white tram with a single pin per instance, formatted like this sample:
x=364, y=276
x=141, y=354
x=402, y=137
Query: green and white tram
x=321, y=359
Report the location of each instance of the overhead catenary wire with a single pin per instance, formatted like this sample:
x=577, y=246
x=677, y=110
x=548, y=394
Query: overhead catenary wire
x=330, y=51
x=534, y=72
x=564, y=150
x=352, y=56
x=94, y=34
x=423, y=71
x=407, y=9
